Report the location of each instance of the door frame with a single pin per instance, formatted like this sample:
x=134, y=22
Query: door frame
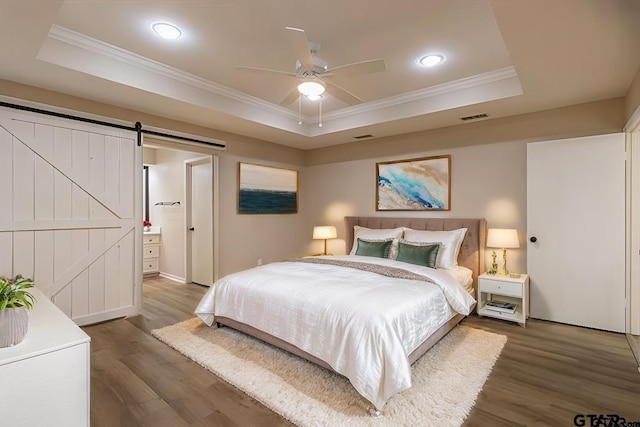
x=549, y=308
x=632, y=129
x=188, y=164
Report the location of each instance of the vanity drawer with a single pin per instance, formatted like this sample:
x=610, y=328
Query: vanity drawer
x=151, y=252
x=150, y=266
x=512, y=289
x=150, y=238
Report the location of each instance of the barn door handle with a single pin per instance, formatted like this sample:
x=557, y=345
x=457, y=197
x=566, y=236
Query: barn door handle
x=533, y=239
x=191, y=228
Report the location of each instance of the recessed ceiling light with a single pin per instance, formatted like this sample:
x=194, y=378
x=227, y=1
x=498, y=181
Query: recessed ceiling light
x=166, y=31
x=431, y=60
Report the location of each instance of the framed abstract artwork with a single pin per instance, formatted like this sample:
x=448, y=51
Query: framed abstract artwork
x=422, y=184
x=267, y=189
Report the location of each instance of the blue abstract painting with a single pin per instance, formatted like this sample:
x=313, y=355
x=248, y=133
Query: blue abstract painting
x=267, y=190
x=415, y=184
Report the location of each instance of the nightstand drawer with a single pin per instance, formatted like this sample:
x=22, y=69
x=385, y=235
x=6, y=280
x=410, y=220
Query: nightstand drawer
x=499, y=287
x=150, y=266
x=150, y=238
x=151, y=252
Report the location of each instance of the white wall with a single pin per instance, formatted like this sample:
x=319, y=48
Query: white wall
x=166, y=184
x=487, y=181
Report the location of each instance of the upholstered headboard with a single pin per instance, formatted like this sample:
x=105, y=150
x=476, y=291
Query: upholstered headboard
x=472, y=249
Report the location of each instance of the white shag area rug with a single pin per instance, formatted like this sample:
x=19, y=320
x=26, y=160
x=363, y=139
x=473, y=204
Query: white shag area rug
x=446, y=380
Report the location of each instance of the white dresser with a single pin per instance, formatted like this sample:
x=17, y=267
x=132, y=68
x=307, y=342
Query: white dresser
x=44, y=380
x=151, y=251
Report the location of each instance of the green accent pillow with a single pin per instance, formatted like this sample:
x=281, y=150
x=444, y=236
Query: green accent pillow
x=425, y=255
x=378, y=248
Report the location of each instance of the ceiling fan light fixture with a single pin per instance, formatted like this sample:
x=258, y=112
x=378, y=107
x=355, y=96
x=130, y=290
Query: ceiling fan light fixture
x=430, y=60
x=166, y=31
x=312, y=90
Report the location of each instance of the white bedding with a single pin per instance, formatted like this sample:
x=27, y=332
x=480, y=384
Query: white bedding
x=361, y=323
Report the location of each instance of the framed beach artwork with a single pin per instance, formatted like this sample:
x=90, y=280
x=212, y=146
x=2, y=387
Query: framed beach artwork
x=267, y=190
x=422, y=184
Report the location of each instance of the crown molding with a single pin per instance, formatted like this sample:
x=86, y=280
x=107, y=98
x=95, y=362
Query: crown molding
x=80, y=52
x=438, y=90
x=85, y=42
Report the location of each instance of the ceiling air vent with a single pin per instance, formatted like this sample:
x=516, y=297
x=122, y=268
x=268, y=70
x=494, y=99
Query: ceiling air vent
x=363, y=136
x=477, y=116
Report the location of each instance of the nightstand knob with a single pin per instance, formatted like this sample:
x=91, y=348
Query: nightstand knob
x=533, y=239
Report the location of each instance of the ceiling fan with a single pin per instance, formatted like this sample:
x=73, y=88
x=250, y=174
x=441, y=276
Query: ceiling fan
x=314, y=71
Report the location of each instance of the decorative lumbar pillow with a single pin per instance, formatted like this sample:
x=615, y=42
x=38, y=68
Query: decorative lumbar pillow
x=377, y=234
x=425, y=254
x=375, y=248
x=451, y=242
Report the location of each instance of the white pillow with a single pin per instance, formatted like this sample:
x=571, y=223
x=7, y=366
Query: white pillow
x=451, y=242
x=464, y=276
x=377, y=234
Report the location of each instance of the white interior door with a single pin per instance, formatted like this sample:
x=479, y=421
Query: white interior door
x=201, y=224
x=576, y=213
x=70, y=213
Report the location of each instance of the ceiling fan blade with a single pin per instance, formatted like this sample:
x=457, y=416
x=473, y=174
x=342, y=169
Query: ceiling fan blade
x=265, y=70
x=364, y=67
x=291, y=97
x=342, y=94
x=300, y=44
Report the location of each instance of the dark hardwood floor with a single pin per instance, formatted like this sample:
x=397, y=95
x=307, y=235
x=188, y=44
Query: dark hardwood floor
x=547, y=374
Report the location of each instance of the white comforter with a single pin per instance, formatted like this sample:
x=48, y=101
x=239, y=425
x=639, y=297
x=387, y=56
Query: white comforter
x=362, y=324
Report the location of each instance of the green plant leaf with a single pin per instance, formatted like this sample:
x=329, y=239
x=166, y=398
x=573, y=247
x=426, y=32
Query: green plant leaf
x=14, y=292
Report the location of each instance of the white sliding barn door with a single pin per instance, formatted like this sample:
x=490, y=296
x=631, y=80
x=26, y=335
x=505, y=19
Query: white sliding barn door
x=576, y=212
x=69, y=213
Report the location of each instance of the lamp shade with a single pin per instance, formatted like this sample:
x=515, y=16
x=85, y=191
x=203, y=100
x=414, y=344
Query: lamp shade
x=503, y=238
x=324, y=232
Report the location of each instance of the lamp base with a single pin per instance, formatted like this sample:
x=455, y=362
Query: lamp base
x=504, y=271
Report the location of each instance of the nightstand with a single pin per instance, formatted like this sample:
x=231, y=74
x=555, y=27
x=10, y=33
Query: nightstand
x=151, y=252
x=512, y=290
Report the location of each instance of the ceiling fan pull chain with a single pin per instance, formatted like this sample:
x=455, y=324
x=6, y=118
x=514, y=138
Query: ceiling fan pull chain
x=299, y=109
x=320, y=113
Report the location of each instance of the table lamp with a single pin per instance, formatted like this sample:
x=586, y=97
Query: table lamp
x=324, y=232
x=503, y=238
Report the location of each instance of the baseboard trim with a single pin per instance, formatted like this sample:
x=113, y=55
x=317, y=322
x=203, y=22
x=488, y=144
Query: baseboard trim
x=634, y=343
x=172, y=277
x=105, y=315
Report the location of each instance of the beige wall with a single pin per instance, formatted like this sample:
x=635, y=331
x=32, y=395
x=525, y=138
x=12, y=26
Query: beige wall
x=488, y=162
x=246, y=238
x=487, y=181
x=243, y=238
x=488, y=173
x=578, y=120
x=236, y=144
x=632, y=100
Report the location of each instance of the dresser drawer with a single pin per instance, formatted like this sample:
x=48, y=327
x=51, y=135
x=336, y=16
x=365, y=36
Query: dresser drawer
x=150, y=266
x=151, y=252
x=499, y=287
x=150, y=238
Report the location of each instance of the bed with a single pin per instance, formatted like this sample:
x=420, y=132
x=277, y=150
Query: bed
x=364, y=317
